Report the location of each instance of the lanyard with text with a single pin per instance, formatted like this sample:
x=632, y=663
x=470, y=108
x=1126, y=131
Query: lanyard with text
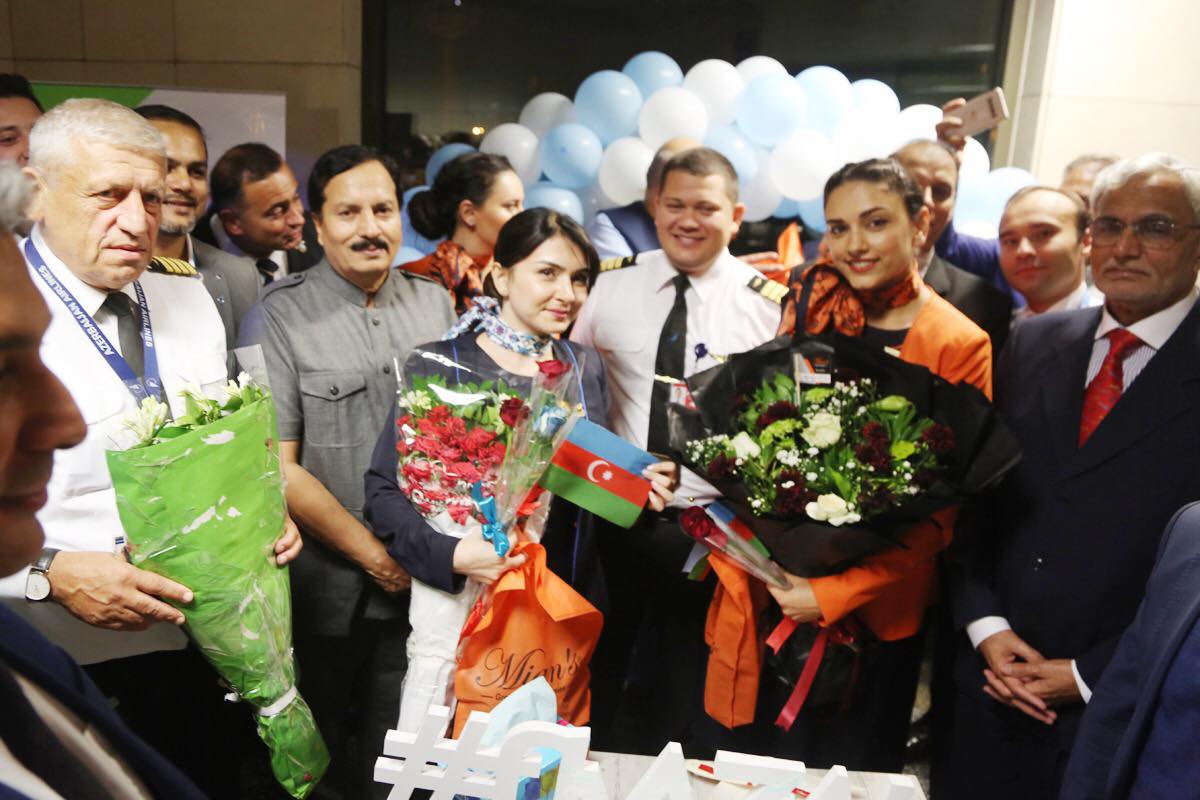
x=148, y=386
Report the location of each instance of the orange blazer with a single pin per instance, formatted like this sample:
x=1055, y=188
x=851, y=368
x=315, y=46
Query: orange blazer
x=888, y=592
x=891, y=591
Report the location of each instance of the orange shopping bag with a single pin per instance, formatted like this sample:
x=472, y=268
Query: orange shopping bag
x=536, y=625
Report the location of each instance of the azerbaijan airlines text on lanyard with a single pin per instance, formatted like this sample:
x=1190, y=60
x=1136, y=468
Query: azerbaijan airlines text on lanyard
x=148, y=386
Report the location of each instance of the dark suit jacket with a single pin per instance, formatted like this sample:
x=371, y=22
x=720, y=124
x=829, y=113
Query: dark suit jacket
x=297, y=261
x=1064, y=547
x=232, y=282
x=985, y=305
x=1117, y=721
x=29, y=653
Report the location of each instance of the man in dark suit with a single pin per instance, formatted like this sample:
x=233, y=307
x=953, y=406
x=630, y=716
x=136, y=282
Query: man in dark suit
x=933, y=166
x=57, y=732
x=1106, y=405
x=257, y=212
x=232, y=282
x=1137, y=738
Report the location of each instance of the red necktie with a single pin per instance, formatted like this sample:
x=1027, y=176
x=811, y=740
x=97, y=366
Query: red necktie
x=1105, y=389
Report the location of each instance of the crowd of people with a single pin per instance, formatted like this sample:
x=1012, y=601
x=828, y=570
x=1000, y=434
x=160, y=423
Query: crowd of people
x=1059, y=611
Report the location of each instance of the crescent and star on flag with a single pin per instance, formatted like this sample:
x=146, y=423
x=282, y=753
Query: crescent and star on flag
x=606, y=475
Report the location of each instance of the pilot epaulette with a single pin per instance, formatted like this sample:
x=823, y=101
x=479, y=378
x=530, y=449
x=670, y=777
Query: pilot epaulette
x=773, y=291
x=620, y=262
x=172, y=266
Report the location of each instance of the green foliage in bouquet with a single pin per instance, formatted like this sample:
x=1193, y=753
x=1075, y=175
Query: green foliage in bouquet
x=201, y=502
x=838, y=454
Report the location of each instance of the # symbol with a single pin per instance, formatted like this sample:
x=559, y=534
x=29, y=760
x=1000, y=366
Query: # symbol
x=606, y=475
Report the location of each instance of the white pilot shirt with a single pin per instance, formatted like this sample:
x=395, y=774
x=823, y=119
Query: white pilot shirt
x=623, y=318
x=81, y=511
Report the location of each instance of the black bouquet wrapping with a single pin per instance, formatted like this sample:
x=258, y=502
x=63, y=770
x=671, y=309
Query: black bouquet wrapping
x=983, y=448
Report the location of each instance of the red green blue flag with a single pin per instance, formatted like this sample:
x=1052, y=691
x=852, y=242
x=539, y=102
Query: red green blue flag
x=600, y=472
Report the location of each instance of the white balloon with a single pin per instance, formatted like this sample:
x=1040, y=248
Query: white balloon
x=750, y=68
x=760, y=197
x=718, y=83
x=545, y=111
x=801, y=164
x=975, y=161
x=866, y=133
x=672, y=111
x=919, y=122
x=623, y=170
x=519, y=145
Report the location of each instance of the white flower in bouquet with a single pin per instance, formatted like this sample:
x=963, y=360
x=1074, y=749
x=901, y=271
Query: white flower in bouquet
x=824, y=430
x=832, y=509
x=744, y=446
x=146, y=421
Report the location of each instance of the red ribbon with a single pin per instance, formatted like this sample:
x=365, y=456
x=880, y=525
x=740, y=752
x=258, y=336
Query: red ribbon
x=841, y=635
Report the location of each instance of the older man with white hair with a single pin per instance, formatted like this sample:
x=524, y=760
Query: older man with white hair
x=1106, y=405
x=122, y=329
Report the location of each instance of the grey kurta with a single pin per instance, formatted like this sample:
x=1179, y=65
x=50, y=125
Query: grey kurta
x=330, y=364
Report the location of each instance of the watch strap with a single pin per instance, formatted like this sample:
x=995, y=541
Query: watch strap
x=43, y=561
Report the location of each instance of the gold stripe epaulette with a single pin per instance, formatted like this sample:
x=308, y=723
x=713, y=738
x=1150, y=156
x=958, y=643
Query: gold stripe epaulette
x=620, y=262
x=172, y=266
x=773, y=291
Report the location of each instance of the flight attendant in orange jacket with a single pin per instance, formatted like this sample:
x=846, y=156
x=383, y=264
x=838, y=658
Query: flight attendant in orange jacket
x=876, y=221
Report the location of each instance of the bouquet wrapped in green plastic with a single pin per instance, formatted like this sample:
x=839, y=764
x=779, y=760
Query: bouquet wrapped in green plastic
x=201, y=501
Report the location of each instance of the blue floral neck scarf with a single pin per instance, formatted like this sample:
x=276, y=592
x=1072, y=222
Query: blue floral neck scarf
x=485, y=313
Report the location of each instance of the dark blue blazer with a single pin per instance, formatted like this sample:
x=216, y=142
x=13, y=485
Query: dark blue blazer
x=30, y=654
x=637, y=226
x=1117, y=721
x=1064, y=547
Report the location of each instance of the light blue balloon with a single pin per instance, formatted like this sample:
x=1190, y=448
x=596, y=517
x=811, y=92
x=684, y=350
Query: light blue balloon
x=733, y=144
x=556, y=198
x=771, y=108
x=812, y=214
x=407, y=255
x=447, y=152
x=608, y=102
x=570, y=155
x=788, y=209
x=652, y=71
x=413, y=240
x=829, y=97
x=875, y=95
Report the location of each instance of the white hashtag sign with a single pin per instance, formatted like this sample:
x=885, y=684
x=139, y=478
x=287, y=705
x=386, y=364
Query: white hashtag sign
x=448, y=767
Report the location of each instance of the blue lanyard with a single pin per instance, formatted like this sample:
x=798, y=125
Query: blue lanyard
x=149, y=385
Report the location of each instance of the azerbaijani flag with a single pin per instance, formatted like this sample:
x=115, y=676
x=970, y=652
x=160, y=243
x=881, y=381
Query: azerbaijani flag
x=601, y=472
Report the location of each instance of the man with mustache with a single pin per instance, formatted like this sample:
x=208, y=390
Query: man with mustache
x=122, y=329
x=232, y=282
x=331, y=336
x=1105, y=403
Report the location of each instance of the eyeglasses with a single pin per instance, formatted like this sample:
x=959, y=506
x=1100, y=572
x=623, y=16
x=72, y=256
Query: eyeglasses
x=1155, y=233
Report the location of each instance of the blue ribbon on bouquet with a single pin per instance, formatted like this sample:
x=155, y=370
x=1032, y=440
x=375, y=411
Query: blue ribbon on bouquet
x=492, y=531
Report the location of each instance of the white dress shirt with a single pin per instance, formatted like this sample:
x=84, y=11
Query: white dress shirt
x=1082, y=296
x=607, y=240
x=81, y=510
x=623, y=318
x=79, y=738
x=228, y=245
x=1154, y=331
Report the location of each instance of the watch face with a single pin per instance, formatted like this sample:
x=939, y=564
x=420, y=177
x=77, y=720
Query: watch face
x=37, y=586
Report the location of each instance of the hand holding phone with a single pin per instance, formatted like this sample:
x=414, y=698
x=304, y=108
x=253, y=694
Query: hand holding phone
x=981, y=113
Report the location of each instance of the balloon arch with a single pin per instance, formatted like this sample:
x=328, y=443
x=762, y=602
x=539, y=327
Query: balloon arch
x=785, y=135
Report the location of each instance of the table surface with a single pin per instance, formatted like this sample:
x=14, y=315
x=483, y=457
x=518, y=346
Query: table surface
x=622, y=771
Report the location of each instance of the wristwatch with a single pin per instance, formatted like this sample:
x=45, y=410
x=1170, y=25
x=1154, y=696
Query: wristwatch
x=37, y=582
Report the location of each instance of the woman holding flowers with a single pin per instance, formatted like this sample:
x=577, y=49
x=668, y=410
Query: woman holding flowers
x=870, y=286
x=544, y=267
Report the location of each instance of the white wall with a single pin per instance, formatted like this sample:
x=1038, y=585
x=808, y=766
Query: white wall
x=1118, y=76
